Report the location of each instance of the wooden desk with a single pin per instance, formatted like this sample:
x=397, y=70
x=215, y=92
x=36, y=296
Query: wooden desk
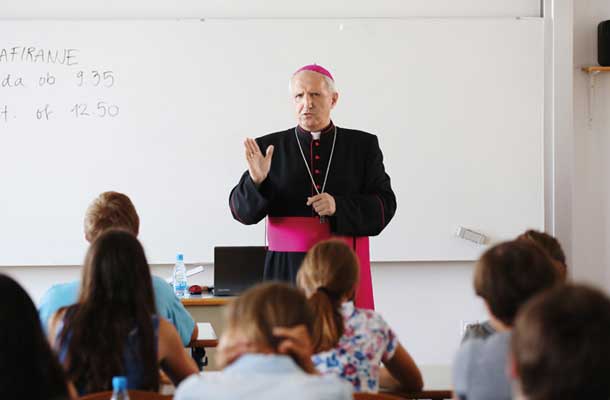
x=437, y=384
x=206, y=336
x=206, y=300
x=424, y=394
x=210, y=309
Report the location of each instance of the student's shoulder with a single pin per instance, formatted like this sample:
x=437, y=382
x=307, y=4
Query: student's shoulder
x=64, y=287
x=160, y=283
x=370, y=317
x=479, y=350
x=164, y=294
x=480, y=330
x=497, y=344
x=214, y=384
x=189, y=388
x=330, y=387
x=60, y=294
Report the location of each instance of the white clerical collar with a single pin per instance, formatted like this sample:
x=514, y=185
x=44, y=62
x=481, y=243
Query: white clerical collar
x=316, y=135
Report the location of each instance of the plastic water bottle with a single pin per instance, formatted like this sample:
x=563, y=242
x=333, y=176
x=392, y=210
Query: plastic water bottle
x=119, y=388
x=180, y=283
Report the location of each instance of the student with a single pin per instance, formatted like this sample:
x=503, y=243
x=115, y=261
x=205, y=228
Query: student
x=505, y=277
x=256, y=360
x=28, y=367
x=350, y=342
x=560, y=345
x=115, y=210
x=113, y=329
x=553, y=249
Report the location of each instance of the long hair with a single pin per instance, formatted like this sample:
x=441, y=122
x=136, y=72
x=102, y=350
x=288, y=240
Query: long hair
x=328, y=274
x=266, y=306
x=28, y=366
x=116, y=296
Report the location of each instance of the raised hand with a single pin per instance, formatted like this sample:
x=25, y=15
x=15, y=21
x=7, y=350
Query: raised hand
x=296, y=342
x=231, y=346
x=258, y=165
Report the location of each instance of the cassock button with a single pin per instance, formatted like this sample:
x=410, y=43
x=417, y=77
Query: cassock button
x=317, y=171
x=319, y=187
x=317, y=157
x=317, y=143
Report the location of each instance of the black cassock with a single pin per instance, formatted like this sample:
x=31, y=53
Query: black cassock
x=365, y=202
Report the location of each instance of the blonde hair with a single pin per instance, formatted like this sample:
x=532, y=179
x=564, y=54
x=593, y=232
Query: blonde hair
x=111, y=210
x=328, y=275
x=266, y=306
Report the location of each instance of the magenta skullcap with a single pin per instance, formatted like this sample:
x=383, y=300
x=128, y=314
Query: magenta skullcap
x=315, y=68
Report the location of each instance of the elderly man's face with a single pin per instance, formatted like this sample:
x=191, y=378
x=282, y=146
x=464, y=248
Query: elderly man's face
x=312, y=100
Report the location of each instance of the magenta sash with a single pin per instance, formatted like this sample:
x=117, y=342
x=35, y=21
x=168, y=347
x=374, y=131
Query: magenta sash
x=299, y=234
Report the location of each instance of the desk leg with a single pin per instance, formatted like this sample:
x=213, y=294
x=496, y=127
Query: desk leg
x=198, y=354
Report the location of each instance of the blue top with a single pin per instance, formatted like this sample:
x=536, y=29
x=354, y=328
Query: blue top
x=263, y=376
x=131, y=358
x=168, y=305
x=479, y=370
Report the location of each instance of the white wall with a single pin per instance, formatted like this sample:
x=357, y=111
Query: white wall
x=424, y=302
x=591, y=151
x=265, y=9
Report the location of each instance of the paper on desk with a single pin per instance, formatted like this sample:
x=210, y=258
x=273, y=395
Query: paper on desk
x=206, y=331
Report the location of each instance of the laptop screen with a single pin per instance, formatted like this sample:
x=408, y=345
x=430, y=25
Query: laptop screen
x=236, y=268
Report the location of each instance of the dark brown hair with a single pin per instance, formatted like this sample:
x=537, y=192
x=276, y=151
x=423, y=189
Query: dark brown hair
x=560, y=345
x=549, y=244
x=28, y=366
x=116, y=297
x=329, y=273
x=111, y=210
x=266, y=306
x=508, y=274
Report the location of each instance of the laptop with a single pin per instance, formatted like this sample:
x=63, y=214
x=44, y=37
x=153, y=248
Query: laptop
x=236, y=268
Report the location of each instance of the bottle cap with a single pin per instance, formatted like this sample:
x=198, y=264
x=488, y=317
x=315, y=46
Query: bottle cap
x=119, y=383
x=179, y=257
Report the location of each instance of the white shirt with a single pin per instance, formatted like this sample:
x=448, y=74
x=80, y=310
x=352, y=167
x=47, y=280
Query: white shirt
x=263, y=376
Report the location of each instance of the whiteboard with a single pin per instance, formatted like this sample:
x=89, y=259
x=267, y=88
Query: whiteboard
x=158, y=109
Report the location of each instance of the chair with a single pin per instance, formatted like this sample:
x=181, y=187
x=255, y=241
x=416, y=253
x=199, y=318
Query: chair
x=133, y=395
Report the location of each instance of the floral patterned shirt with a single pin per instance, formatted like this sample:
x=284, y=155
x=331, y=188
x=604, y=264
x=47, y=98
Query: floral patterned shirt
x=367, y=340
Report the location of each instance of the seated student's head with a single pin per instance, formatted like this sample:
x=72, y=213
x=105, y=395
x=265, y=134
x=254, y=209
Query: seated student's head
x=110, y=210
x=116, y=298
x=28, y=367
x=509, y=274
x=329, y=276
x=250, y=320
x=560, y=345
x=551, y=245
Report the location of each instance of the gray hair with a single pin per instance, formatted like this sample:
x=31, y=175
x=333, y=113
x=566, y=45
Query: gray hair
x=330, y=84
